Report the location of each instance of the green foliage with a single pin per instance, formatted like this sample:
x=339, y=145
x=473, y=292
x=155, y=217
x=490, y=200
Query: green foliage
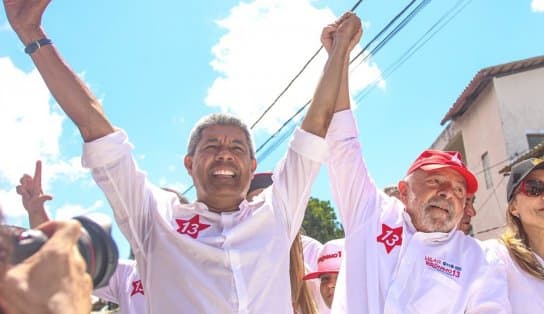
x=320, y=221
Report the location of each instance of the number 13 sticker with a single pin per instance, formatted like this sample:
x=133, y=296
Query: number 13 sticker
x=390, y=237
x=191, y=227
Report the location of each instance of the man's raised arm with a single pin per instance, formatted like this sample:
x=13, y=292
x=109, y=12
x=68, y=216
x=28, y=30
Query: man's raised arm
x=342, y=34
x=68, y=89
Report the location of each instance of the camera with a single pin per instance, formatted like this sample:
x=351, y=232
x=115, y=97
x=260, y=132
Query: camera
x=95, y=245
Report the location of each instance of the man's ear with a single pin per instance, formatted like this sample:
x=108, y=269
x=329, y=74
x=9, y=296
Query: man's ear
x=403, y=191
x=253, y=165
x=188, y=162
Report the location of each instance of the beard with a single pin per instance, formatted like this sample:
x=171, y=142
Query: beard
x=435, y=215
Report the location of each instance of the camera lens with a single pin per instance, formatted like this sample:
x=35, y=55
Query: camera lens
x=95, y=245
x=98, y=249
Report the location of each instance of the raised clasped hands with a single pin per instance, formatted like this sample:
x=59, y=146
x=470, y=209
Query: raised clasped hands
x=346, y=30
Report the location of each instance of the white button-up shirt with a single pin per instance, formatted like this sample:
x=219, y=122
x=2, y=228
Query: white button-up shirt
x=192, y=260
x=388, y=266
x=526, y=292
x=124, y=288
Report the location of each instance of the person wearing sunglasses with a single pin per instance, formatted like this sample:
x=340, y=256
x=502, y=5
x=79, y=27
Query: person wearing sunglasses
x=521, y=246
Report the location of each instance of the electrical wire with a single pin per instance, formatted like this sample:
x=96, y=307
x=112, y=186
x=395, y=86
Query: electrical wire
x=295, y=77
x=430, y=33
x=389, y=36
x=281, y=94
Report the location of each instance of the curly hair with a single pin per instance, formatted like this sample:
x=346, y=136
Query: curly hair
x=517, y=242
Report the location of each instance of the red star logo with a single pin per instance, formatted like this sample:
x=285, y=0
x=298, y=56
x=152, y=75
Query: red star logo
x=191, y=227
x=137, y=287
x=390, y=237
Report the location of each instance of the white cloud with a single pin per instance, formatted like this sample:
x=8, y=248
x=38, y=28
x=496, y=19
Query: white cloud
x=12, y=207
x=266, y=44
x=29, y=130
x=4, y=26
x=71, y=210
x=537, y=6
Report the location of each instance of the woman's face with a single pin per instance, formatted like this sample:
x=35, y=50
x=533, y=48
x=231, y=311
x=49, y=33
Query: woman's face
x=529, y=201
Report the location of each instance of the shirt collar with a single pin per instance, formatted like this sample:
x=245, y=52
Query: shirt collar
x=199, y=206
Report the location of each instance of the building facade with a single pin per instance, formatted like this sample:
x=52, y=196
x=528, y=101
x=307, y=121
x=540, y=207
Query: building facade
x=498, y=119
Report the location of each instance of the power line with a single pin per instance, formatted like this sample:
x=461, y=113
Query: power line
x=282, y=126
x=283, y=92
x=491, y=194
x=397, y=29
x=438, y=25
x=501, y=162
x=381, y=44
x=490, y=229
x=295, y=77
x=385, y=28
x=485, y=202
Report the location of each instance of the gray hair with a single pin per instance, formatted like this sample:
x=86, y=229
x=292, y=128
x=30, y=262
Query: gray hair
x=218, y=119
x=392, y=190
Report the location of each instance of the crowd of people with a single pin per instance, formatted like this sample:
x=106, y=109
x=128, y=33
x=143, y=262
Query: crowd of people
x=239, y=248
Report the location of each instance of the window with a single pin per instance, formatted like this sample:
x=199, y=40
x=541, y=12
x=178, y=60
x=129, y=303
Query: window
x=534, y=139
x=487, y=171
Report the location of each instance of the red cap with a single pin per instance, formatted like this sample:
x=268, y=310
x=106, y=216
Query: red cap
x=329, y=260
x=435, y=159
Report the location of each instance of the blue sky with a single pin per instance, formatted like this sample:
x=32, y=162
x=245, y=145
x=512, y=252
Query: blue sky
x=158, y=69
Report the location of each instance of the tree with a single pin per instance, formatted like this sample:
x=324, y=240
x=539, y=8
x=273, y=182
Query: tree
x=320, y=221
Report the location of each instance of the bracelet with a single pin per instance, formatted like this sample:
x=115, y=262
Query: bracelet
x=35, y=45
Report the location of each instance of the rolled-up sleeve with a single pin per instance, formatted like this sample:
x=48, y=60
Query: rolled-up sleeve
x=294, y=176
x=352, y=188
x=125, y=186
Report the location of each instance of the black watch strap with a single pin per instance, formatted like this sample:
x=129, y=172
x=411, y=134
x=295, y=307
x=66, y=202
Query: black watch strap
x=35, y=45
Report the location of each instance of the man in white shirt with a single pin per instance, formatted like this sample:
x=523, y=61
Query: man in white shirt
x=125, y=288
x=407, y=256
x=220, y=254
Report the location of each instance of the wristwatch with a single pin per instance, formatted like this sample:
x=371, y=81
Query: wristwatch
x=35, y=45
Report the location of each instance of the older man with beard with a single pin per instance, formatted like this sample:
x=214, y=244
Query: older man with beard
x=407, y=255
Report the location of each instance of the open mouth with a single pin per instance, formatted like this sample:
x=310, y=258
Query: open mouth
x=438, y=207
x=436, y=210
x=223, y=173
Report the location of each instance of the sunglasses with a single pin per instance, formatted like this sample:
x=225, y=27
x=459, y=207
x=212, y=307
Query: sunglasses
x=532, y=188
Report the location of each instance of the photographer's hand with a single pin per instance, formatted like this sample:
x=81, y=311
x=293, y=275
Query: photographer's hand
x=54, y=279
